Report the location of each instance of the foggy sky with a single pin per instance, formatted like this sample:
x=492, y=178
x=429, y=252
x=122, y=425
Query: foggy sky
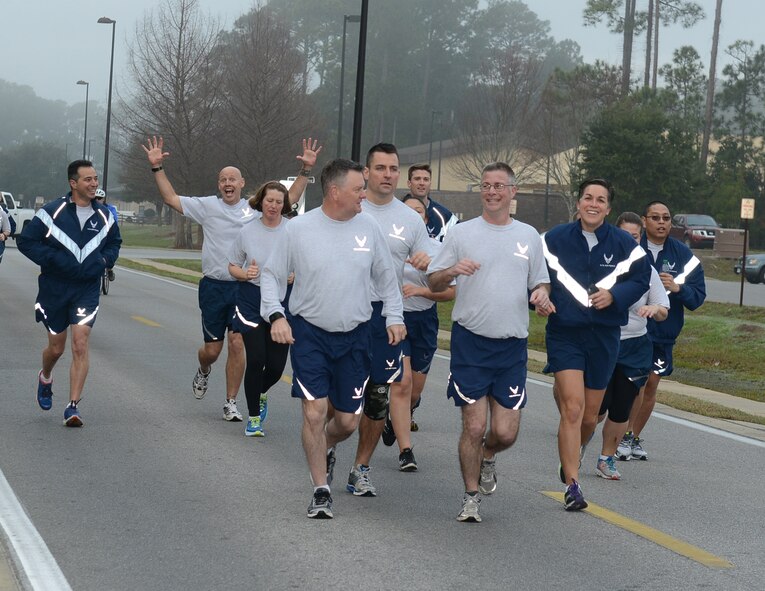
x=50, y=44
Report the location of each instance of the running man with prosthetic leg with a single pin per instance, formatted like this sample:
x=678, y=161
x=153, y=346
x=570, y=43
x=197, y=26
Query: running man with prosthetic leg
x=407, y=241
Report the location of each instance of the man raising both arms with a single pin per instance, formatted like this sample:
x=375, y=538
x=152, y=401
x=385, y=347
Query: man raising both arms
x=497, y=261
x=221, y=218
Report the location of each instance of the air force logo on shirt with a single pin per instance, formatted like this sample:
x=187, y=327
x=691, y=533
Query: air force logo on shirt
x=397, y=233
x=247, y=213
x=93, y=226
x=361, y=244
x=608, y=260
x=522, y=250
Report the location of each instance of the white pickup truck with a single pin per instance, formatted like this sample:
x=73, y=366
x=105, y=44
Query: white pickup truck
x=22, y=215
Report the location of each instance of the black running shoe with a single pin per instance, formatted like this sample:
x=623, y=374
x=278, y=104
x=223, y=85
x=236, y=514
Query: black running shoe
x=406, y=461
x=388, y=434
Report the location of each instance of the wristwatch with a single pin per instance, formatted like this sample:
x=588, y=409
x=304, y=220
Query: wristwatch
x=274, y=317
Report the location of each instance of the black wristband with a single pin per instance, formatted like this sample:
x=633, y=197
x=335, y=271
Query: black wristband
x=274, y=317
x=305, y=172
x=156, y=168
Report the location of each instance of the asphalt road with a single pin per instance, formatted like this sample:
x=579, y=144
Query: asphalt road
x=158, y=492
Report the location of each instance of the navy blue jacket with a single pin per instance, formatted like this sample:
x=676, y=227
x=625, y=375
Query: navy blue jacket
x=616, y=263
x=54, y=240
x=686, y=268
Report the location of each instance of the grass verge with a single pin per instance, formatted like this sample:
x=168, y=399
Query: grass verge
x=154, y=271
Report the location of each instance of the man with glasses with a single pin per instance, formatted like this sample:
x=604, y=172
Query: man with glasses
x=681, y=274
x=490, y=256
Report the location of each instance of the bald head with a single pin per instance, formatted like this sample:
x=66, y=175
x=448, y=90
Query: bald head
x=230, y=184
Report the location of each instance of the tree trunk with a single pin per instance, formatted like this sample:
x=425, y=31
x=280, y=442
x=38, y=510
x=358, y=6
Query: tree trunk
x=648, y=45
x=711, y=86
x=656, y=21
x=629, y=30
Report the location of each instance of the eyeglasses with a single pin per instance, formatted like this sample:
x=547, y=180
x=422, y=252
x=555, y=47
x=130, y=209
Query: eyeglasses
x=659, y=218
x=497, y=186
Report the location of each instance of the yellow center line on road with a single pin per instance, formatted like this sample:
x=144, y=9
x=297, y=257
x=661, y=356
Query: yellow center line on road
x=287, y=379
x=146, y=321
x=651, y=534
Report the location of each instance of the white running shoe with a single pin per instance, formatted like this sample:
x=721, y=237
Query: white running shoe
x=230, y=412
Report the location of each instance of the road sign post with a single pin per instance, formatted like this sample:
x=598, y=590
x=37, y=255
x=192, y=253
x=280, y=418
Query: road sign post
x=747, y=213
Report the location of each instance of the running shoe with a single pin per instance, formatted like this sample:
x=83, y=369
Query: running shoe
x=44, y=393
x=471, y=505
x=607, y=469
x=413, y=426
x=638, y=453
x=199, y=385
x=321, y=505
x=487, y=483
x=573, y=497
x=406, y=461
x=388, y=434
x=72, y=416
x=263, y=407
x=330, y=465
x=230, y=413
x=358, y=482
x=624, y=450
x=253, y=428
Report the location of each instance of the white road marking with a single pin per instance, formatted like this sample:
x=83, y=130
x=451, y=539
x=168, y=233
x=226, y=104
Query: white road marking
x=28, y=549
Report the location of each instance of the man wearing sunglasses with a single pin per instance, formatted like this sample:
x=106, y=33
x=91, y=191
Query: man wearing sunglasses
x=681, y=274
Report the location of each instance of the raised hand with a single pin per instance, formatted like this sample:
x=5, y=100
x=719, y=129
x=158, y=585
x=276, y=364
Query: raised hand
x=154, y=150
x=310, y=152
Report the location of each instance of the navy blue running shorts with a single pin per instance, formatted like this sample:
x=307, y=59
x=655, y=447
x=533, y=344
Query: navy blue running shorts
x=247, y=310
x=332, y=365
x=386, y=359
x=590, y=349
x=217, y=301
x=421, y=338
x=482, y=366
x=662, y=359
x=62, y=303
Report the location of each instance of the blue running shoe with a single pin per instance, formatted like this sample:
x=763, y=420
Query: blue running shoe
x=44, y=393
x=573, y=498
x=253, y=428
x=72, y=417
x=263, y=407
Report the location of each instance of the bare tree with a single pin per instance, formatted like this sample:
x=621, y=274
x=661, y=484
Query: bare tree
x=497, y=121
x=571, y=100
x=176, y=93
x=265, y=112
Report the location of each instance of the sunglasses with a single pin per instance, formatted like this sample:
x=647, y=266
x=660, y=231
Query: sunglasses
x=659, y=218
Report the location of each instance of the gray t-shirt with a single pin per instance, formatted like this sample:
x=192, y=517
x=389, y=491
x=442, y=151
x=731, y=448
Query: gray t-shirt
x=255, y=242
x=404, y=231
x=420, y=279
x=493, y=302
x=220, y=224
x=336, y=266
x=656, y=294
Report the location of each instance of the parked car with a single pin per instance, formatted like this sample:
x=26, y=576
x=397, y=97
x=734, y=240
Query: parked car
x=21, y=215
x=755, y=268
x=696, y=230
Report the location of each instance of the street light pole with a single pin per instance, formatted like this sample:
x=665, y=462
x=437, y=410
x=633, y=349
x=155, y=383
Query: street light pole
x=359, y=102
x=347, y=18
x=85, y=135
x=430, y=148
x=104, y=20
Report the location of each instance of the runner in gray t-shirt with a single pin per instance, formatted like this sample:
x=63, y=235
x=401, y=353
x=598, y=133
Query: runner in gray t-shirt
x=496, y=261
x=407, y=240
x=221, y=218
x=338, y=255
